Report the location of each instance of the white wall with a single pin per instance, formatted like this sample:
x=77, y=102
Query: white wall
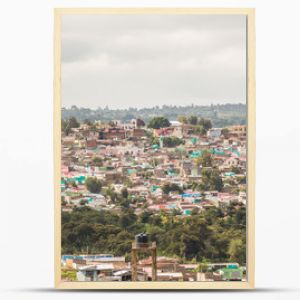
x=26, y=167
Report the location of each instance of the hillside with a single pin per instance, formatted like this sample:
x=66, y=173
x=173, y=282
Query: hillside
x=220, y=115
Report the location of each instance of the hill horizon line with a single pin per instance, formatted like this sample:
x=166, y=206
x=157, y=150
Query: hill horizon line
x=152, y=107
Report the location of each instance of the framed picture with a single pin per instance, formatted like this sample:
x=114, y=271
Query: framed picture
x=154, y=142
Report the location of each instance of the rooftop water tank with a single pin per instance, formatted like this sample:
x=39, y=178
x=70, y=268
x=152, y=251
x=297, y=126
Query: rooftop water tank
x=141, y=238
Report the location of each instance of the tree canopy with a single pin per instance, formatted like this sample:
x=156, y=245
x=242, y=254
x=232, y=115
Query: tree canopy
x=172, y=141
x=159, y=122
x=205, y=160
x=93, y=184
x=171, y=187
x=206, y=123
x=182, y=119
x=235, y=113
x=193, y=120
x=213, y=235
x=211, y=180
x=68, y=124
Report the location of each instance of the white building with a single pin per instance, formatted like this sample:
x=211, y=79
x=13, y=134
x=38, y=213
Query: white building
x=214, y=132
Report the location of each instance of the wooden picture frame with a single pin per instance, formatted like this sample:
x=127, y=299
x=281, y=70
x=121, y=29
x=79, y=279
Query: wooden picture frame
x=139, y=285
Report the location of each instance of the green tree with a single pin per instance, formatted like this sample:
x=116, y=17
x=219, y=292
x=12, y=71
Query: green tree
x=67, y=125
x=97, y=161
x=237, y=251
x=124, y=202
x=203, y=267
x=140, y=123
x=172, y=141
x=126, y=219
x=205, y=160
x=87, y=122
x=124, y=193
x=205, y=123
x=73, y=123
x=193, y=120
x=212, y=180
x=200, y=130
x=68, y=275
x=74, y=184
x=182, y=119
x=171, y=187
x=85, y=233
x=236, y=170
x=93, y=184
x=212, y=235
x=82, y=202
x=242, y=180
x=63, y=201
x=159, y=122
x=110, y=192
x=225, y=132
x=144, y=216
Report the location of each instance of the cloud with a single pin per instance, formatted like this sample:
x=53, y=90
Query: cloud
x=147, y=60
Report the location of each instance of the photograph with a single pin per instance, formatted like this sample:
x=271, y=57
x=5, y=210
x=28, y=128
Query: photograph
x=150, y=150
x=154, y=120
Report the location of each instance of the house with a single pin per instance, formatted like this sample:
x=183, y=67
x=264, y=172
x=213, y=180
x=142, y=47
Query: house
x=188, y=208
x=137, y=133
x=231, y=162
x=112, y=133
x=68, y=140
x=94, y=272
x=168, y=131
x=188, y=271
x=188, y=129
x=186, y=167
x=175, y=276
x=126, y=275
x=238, y=131
x=175, y=124
x=168, y=269
x=242, y=197
x=164, y=264
x=96, y=201
x=118, y=262
x=113, y=177
x=91, y=144
x=159, y=173
x=140, y=191
x=214, y=132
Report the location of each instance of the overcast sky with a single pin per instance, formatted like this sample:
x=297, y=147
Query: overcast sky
x=147, y=60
